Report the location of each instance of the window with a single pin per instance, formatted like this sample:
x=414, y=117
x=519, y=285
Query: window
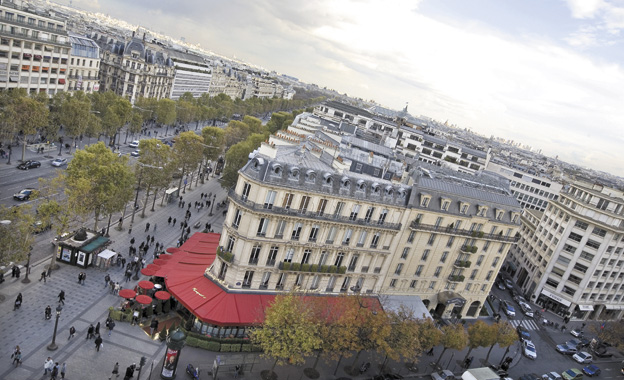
x=432, y=285
x=323, y=258
x=272, y=256
x=444, y=256
x=425, y=255
x=431, y=240
x=353, y=262
x=280, y=281
x=495, y=262
x=473, y=275
x=264, y=284
x=575, y=237
x=450, y=241
x=303, y=206
x=246, y=189
x=339, y=207
x=362, y=238
x=339, y=259
x=331, y=284
x=599, y=231
x=419, y=270
x=354, y=212
x=279, y=231
x=382, y=216
x=223, y=271
x=405, y=253
x=445, y=205
x=255, y=254
x=306, y=256
x=424, y=200
x=581, y=225
x=488, y=277
x=410, y=238
x=437, y=272
x=480, y=259
x=288, y=198
x=296, y=231
x=315, y=282
x=369, y=214
x=413, y=284
x=586, y=256
x=463, y=208
x=262, y=226
x=321, y=207
x=313, y=233
x=270, y=199
x=347, y=237
x=230, y=244
x=375, y=240
x=581, y=268
x=593, y=244
x=289, y=255
x=331, y=235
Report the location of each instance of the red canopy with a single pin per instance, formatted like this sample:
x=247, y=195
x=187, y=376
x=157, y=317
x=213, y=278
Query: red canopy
x=172, y=249
x=153, y=266
x=144, y=300
x=147, y=271
x=146, y=285
x=127, y=293
x=160, y=262
x=165, y=257
x=162, y=295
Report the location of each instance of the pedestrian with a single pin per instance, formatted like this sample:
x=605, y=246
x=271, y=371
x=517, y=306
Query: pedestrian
x=18, y=302
x=209, y=227
x=97, y=329
x=55, y=371
x=111, y=326
x=147, y=226
x=72, y=332
x=98, y=343
x=128, y=274
x=43, y=276
x=115, y=371
x=153, y=326
x=169, y=220
x=17, y=356
x=61, y=297
x=13, y=271
x=90, y=331
x=63, y=370
x=48, y=312
x=130, y=372
x=155, y=226
x=79, y=277
x=106, y=279
x=84, y=277
x=183, y=202
x=143, y=262
x=188, y=230
x=112, y=287
x=174, y=221
x=237, y=369
x=132, y=241
x=135, y=317
x=47, y=366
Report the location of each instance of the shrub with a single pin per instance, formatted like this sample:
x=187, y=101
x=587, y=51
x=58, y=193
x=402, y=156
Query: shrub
x=305, y=267
x=314, y=268
x=192, y=341
x=342, y=270
x=332, y=269
x=324, y=268
x=295, y=266
x=286, y=266
x=246, y=347
x=235, y=348
x=225, y=347
x=256, y=348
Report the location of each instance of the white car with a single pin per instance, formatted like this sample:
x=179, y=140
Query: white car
x=529, y=350
x=59, y=162
x=582, y=357
x=509, y=310
x=134, y=144
x=526, y=309
x=577, y=332
x=136, y=153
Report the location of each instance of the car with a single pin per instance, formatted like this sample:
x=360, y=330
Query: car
x=577, y=332
x=509, y=310
x=529, y=350
x=551, y=376
x=573, y=342
x=519, y=299
x=526, y=309
x=136, y=153
x=591, y=370
x=501, y=285
x=578, y=343
x=572, y=374
x=508, y=283
x=59, y=162
x=134, y=144
x=40, y=227
x=566, y=349
x=29, y=165
x=443, y=375
x=583, y=357
x=523, y=334
x=23, y=195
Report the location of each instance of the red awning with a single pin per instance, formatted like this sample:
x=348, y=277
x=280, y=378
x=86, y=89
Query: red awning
x=162, y=295
x=172, y=249
x=127, y=293
x=144, y=300
x=165, y=257
x=153, y=266
x=147, y=285
x=160, y=262
x=147, y=271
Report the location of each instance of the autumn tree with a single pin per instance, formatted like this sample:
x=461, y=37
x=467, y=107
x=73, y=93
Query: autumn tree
x=16, y=233
x=187, y=151
x=506, y=336
x=289, y=333
x=612, y=332
x=28, y=114
x=403, y=341
x=454, y=337
x=214, y=137
x=480, y=334
x=156, y=167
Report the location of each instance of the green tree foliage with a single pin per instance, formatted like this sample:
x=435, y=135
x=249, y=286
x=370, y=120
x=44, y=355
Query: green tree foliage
x=480, y=334
x=156, y=168
x=403, y=342
x=16, y=233
x=185, y=111
x=280, y=120
x=29, y=115
x=236, y=157
x=100, y=180
x=289, y=333
x=454, y=337
x=113, y=110
x=235, y=132
x=166, y=111
x=188, y=151
x=74, y=114
x=213, y=137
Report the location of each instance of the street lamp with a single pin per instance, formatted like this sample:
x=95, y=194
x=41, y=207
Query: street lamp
x=52, y=346
x=136, y=198
x=214, y=199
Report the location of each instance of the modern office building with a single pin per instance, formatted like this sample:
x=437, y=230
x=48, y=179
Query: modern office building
x=84, y=64
x=569, y=258
x=34, y=49
x=192, y=75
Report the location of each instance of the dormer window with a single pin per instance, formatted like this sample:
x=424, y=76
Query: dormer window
x=277, y=169
x=402, y=193
x=445, y=203
x=375, y=188
x=424, y=200
x=514, y=217
x=389, y=190
x=345, y=182
x=482, y=211
x=294, y=173
x=257, y=163
x=499, y=214
x=360, y=185
x=310, y=176
x=463, y=207
x=328, y=179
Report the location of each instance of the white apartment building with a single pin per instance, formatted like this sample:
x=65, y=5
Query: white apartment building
x=570, y=258
x=34, y=49
x=84, y=64
x=192, y=75
x=532, y=191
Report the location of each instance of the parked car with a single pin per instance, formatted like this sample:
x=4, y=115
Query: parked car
x=566, y=349
x=501, y=285
x=583, y=357
x=577, y=332
x=551, y=376
x=29, y=165
x=443, y=375
x=59, y=162
x=136, y=153
x=572, y=374
x=529, y=350
x=519, y=299
x=591, y=370
x=523, y=333
x=578, y=343
x=526, y=309
x=509, y=310
x=508, y=283
x=23, y=195
x=40, y=227
x=134, y=144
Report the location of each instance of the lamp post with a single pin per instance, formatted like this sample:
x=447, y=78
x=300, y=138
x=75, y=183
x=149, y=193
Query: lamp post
x=214, y=199
x=26, y=280
x=52, y=346
x=9, y=161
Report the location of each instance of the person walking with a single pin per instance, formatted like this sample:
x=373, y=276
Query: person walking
x=155, y=226
x=84, y=277
x=97, y=329
x=55, y=371
x=153, y=327
x=174, y=221
x=98, y=343
x=72, y=332
x=63, y=370
x=90, y=331
x=169, y=220
x=47, y=366
x=111, y=326
x=48, y=312
x=18, y=302
x=80, y=277
x=43, y=276
x=106, y=279
x=61, y=297
x=115, y=371
x=147, y=226
x=17, y=357
x=132, y=241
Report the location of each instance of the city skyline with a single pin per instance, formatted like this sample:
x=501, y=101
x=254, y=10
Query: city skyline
x=545, y=74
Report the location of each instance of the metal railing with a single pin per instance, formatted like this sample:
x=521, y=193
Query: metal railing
x=461, y=232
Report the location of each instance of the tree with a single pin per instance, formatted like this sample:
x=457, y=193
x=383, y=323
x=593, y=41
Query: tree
x=187, y=150
x=100, y=180
x=215, y=138
x=155, y=167
x=612, y=332
x=73, y=114
x=506, y=336
x=113, y=111
x=166, y=112
x=403, y=342
x=454, y=337
x=29, y=115
x=16, y=233
x=254, y=124
x=289, y=333
x=236, y=157
x=235, y=132
x=480, y=334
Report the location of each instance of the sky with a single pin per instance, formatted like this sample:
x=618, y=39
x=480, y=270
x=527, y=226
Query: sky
x=546, y=73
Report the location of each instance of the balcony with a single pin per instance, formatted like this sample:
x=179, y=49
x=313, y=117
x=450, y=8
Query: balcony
x=462, y=263
x=225, y=255
x=416, y=225
x=259, y=207
x=468, y=249
x=312, y=268
x=456, y=278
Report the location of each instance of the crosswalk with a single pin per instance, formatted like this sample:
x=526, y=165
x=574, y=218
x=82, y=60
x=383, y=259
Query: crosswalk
x=527, y=324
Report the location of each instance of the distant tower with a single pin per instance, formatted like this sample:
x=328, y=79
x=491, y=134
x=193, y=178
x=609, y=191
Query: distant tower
x=405, y=109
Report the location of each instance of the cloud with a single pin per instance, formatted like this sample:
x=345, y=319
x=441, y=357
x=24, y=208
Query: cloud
x=585, y=8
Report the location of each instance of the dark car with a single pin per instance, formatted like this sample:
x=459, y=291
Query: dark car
x=23, y=195
x=523, y=334
x=591, y=370
x=566, y=349
x=29, y=165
